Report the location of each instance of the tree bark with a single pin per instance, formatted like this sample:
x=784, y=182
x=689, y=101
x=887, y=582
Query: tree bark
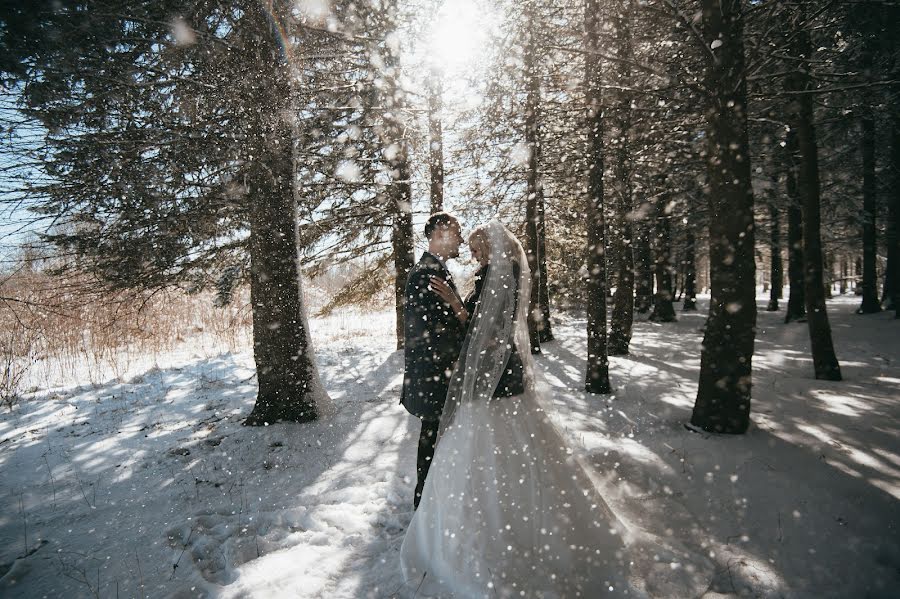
x=775, y=251
x=620, y=328
x=545, y=331
x=892, y=284
x=663, y=308
x=870, y=303
x=643, y=268
x=690, y=271
x=538, y=315
x=825, y=361
x=289, y=385
x=399, y=190
x=597, y=374
x=796, y=308
x=401, y=239
x=724, y=389
x=436, y=143
x=828, y=274
x=843, y=287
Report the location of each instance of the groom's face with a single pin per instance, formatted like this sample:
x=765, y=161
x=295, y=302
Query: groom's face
x=452, y=239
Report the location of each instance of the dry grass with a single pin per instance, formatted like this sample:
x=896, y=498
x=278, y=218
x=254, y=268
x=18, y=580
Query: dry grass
x=55, y=330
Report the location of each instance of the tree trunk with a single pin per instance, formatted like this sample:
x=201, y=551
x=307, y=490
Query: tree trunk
x=401, y=238
x=677, y=278
x=597, y=374
x=538, y=315
x=690, y=271
x=843, y=287
x=870, y=303
x=663, y=308
x=825, y=361
x=399, y=190
x=775, y=251
x=545, y=331
x=857, y=276
x=288, y=380
x=892, y=280
x=643, y=257
x=723, y=394
x=622, y=320
x=436, y=145
x=796, y=308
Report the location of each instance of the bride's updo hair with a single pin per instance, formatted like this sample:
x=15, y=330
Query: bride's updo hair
x=479, y=236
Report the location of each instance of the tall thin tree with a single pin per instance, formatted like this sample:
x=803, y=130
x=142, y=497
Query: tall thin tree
x=690, y=269
x=396, y=152
x=538, y=315
x=870, y=303
x=796, y=306
x=663, y=308
x=597, y=375
x=435, y=141
x=622, y=318
x=775, y=267
x=893, y=263
x=799, y=84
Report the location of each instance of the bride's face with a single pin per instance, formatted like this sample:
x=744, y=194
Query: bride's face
x=479, y=250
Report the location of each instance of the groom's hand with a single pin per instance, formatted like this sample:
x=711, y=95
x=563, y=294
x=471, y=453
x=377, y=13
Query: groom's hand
x=446, y=293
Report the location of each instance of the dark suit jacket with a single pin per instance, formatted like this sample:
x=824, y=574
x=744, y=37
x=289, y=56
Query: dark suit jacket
x=433, y=337
x=512, y=380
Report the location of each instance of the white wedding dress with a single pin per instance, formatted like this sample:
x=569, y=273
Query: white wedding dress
x=507, y=510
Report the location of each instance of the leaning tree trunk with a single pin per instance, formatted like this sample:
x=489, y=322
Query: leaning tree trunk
x=796, y=308
x=597, y=374
x=825, y=361
x=663, y=308
x=622, y=321
x=643, y=267
x=870, y=303
x=775, y=251
x=690, y=270
x=534, y=203
x=289, y=384
x=436, y=142
x=723, y=394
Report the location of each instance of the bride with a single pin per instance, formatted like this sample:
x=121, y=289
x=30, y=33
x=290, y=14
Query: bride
x=506, y=510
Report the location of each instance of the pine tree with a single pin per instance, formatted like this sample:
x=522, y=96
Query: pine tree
x=597, y=375
x=185, y=172
x=802, y=119
x=724, y=391
x=622, y=318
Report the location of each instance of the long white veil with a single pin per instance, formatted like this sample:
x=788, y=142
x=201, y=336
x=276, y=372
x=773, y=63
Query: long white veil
x=507, y=502
x=498, y=324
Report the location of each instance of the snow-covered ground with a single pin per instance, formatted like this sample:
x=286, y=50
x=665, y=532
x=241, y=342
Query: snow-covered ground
x=148, y=486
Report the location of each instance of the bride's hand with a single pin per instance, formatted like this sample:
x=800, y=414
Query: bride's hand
x=444, y=291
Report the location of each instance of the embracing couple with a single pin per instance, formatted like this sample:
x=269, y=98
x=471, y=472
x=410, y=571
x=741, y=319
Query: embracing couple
x=502, y=507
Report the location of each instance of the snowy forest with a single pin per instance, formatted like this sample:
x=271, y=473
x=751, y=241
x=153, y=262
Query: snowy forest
x=210, y=212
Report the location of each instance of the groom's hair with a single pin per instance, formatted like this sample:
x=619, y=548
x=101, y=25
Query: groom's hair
x=438, y=219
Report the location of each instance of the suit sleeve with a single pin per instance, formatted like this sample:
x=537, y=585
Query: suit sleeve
x=417, y=309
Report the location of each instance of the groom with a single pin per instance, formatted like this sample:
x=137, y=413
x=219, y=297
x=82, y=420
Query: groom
x=433, y=336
